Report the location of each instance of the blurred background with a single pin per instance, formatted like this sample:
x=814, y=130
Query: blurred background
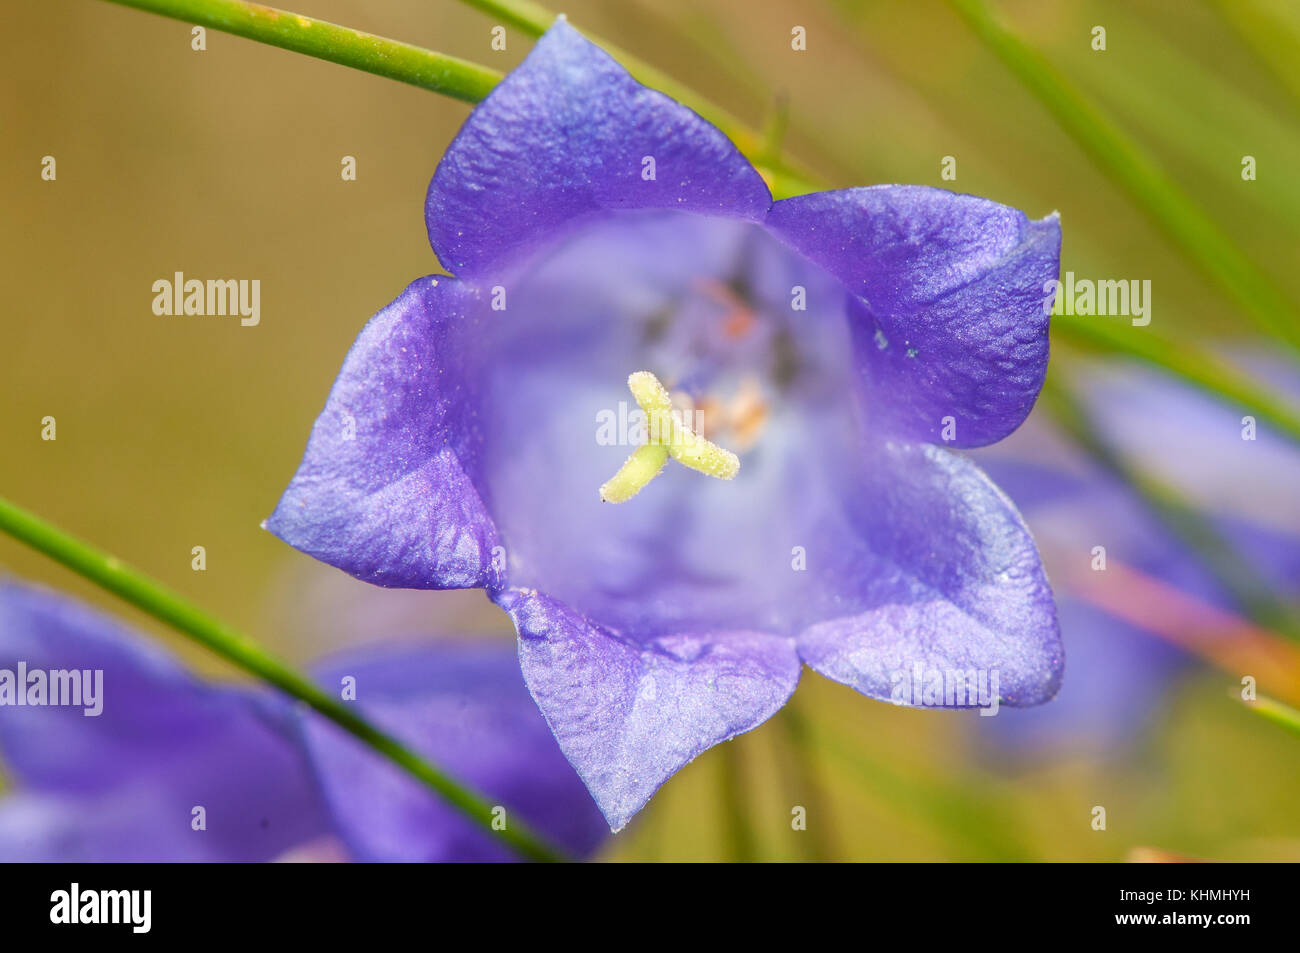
x=180, y=432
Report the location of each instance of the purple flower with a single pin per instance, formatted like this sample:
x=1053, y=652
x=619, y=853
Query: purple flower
x=597, y=228
x=1120, y=672
x=168, y=753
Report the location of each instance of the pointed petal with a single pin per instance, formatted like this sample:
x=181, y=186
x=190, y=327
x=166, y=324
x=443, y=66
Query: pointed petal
x=382, y=491
x=954, y=583
x=123, y=785
x=951, y=306
x=463, y=705
x=567, y=135
x=629, y=716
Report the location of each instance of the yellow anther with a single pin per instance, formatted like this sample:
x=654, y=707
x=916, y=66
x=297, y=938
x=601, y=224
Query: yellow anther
x=667, y=436
x=642, y=467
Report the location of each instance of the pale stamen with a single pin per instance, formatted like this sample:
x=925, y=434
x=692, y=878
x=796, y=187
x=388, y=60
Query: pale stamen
x=668, y=436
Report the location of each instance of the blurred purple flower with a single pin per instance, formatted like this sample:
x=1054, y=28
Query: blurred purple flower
x=597, y=228
x=1119, y=672
x=273, y=780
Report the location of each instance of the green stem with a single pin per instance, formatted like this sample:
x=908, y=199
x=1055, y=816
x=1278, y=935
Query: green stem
x=1276, y=712
x=529, y=18
x=166, y=606
x=1124, y=162
x=327, y=41
x=444, y=74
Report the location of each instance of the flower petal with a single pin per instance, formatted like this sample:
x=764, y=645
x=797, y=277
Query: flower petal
x=949, y=317
x=629, y=716
x=565, y=135
x=1202, y=449
x=954, y=583
x=382, y=491
x=464, y=706
x=123, y=785
x=62, y=828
